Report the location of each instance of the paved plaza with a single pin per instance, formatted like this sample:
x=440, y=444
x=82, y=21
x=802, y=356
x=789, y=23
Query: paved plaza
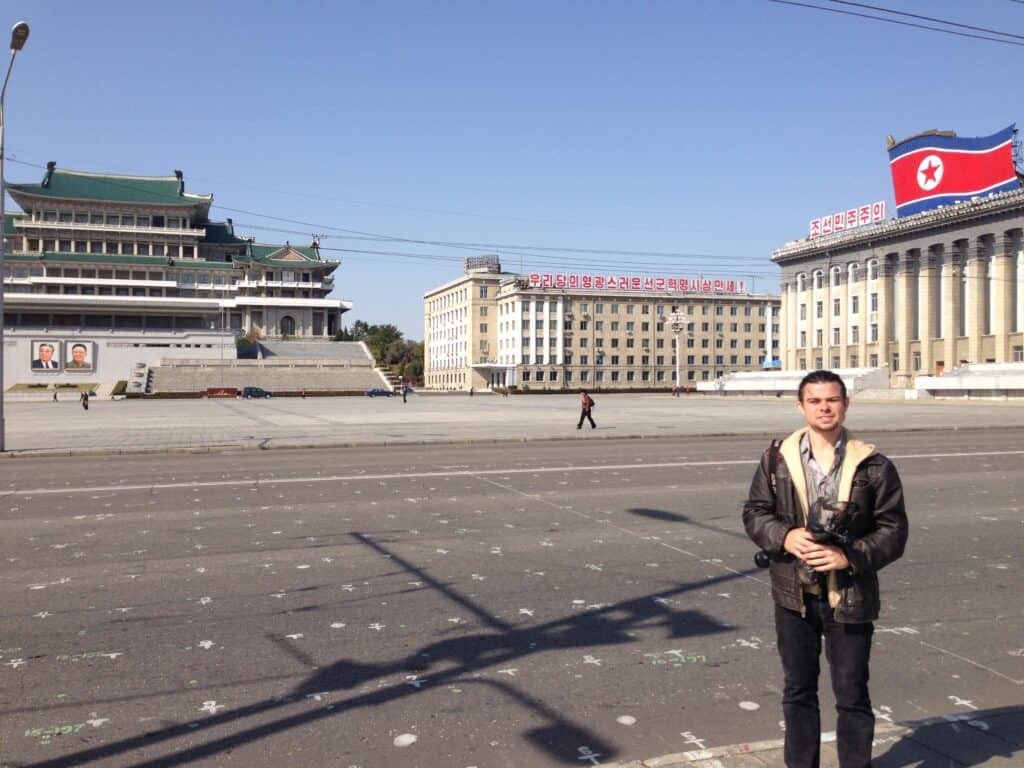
x=552, y=603
x=129, y=426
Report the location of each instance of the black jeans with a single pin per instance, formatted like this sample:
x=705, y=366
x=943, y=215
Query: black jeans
x=585, y=414
x=848, y=649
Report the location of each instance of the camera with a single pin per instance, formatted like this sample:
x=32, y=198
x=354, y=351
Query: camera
x=827, y=521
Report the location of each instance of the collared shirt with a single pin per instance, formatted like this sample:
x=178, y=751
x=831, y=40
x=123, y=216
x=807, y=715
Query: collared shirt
x=822, y=483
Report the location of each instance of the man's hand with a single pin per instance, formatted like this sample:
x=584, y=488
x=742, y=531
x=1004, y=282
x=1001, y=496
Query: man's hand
x=820, y=557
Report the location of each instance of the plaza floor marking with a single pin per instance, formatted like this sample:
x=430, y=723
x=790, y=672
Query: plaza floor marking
x=460, y=473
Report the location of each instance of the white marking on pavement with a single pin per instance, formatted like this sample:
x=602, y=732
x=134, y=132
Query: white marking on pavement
x=462, y=473
x=405, y=740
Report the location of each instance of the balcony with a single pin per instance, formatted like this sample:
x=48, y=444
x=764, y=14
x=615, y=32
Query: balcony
x=29, y=225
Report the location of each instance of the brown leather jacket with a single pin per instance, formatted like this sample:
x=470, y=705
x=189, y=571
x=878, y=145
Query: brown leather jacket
x=878, y=525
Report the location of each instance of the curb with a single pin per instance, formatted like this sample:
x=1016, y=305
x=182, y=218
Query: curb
x=291, y=444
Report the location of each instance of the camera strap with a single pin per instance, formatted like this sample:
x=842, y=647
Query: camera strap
x=773, y=463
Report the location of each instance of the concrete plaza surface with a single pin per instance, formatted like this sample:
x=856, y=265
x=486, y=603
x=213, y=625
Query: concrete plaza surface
x=130, y=426
x=497, y=605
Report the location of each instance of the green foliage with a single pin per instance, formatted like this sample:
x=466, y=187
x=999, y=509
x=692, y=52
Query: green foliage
x=386, y=344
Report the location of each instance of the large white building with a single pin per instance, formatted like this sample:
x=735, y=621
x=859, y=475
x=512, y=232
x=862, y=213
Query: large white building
x=920, y=294
x=489, y=329
x=132, y=270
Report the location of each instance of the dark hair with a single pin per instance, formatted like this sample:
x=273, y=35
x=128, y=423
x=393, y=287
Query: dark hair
x=46, y=344
x=76, y=346
x=821, y=377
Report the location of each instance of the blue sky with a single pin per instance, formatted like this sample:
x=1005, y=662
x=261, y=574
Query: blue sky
x=711, y=130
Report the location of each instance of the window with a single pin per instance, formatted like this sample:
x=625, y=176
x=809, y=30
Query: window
x=817, y=337
x=615, y=309
x=895, y=361
x=803, y=338
x=615, y=343
x=854, y=334
x=630, y=325
x=803, y=311
x=615, y=359
x=873, y=335
x=855, y=305
x=584, y=359
x=853, y=274
x=526, y=375
x=853, y=360
x=659, y=343
x=915, y=361
x=483, y=291
x=598, y=309
x=645, y=327
x=552, y=375
x=630, y=308
x=873, y=299
x=873, y=269
x=835, y=277
x=819, y=309
x=835, y=337
x=645, y=309
x=836, y=306
x=819, y=279
x=599, y=325
x=584, y=325
x=873, y=361
x=483, y=327
x=483, y=311
x=615, y=323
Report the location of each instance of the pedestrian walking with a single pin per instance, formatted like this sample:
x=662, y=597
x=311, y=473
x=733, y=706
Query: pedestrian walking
x=85, y=400
x=405, y=391
x=586, y=406
x=55, y=396
x=828, y=512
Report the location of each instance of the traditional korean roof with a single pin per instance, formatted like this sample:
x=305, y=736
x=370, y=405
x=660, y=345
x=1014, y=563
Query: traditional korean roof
x=222, y=233
x=285, y=256
x=118, y=259
x=9, y=219
x=60, y=184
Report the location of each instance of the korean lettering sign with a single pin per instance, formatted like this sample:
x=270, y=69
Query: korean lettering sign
x=843, y=220
x=600, y=282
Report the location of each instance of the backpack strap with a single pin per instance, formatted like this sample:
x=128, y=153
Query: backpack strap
x=773, y=463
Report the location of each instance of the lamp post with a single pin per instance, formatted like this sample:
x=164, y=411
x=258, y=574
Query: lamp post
x=678, y=322
x=19, y=34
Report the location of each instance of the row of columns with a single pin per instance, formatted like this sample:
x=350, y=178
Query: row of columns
x=947, y=291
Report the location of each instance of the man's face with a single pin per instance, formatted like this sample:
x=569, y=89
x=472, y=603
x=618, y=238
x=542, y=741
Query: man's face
x=823, y=406
x=45, y=352
x=78, y=354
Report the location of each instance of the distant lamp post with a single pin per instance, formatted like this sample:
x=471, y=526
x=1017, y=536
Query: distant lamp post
x=678, y=323
x=19, y=34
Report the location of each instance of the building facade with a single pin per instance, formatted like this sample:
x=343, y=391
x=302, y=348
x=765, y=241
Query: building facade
x=919, y=294
x=491, y=329
x=101, y=260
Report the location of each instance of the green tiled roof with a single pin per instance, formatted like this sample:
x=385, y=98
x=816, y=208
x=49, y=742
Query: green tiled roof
x=221, y=233
x=9, y=219
x=115, y=259
x=261, y=255
x=77, y=185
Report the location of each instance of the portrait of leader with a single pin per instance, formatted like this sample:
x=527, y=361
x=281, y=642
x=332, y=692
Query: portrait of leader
x=79, y=356
x=45, y=356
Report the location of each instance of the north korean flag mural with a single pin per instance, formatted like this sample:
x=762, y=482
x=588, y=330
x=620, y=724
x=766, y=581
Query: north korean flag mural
x=929, y=171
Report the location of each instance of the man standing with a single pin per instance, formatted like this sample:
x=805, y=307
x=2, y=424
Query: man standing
x=828, y=589
x=586, y=406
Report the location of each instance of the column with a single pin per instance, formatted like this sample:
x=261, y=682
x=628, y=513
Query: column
x=842, y=321
x=1002, y=292
x=768, y=332
x=533, y=332
x=783, y=334
x=560, y=342
x=951, y=264
x=977, y=274
x=904, y=320
x=546, y=352
x=926, y=302
x=884, y=316
x=864, y=317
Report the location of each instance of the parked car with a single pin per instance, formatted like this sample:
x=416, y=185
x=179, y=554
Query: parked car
x=379, y=392
x=251, y=392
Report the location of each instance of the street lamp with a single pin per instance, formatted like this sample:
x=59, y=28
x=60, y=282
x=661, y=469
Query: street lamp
x=19, y=34
x=678, y=323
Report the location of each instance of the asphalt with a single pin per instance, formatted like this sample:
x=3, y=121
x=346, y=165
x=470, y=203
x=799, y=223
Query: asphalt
x=543, y=603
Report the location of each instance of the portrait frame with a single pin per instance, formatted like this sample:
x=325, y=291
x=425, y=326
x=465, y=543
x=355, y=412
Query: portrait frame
x=36, y=361
x=71, y=354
